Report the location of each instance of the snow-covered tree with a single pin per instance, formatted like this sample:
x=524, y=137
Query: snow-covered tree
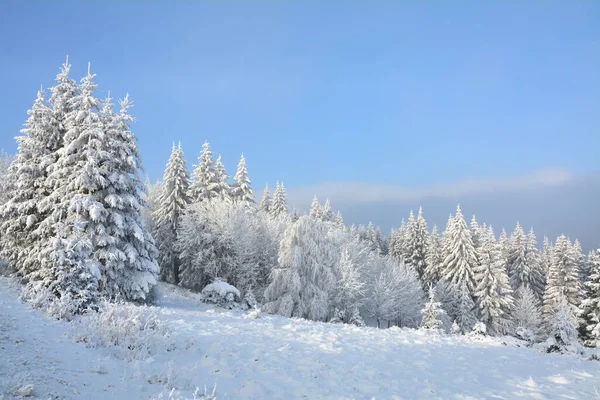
x=590, y=307
x=223, y=190
x=563, y=278
x=304, y=280
x=349, y=289
x=416, y=243
x=241, y=190
x=152, y=192
x=265, y=202
x=465, y=307
x=504, y=242
x=563, y=327
x=432, y=312
x=526, y=312
x=205, y=180
x=279, y=206
x=434, y=258
x=580, y=261
x=523, y=262
x=493, y=291
x=398, y=242
x=546, y=256
x=326, y=212
x=339, y=220
x=315, y=209
x=459, y=254
x=6, y=183
x=171, y=205
x=20, y=213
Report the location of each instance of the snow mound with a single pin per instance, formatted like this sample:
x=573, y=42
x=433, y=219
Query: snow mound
x=222, y=294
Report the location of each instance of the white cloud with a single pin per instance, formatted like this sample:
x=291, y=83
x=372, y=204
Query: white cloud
x=360, y=193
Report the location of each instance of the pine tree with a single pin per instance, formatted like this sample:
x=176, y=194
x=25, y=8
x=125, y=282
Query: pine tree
x=204, y=183
x=459, y=254
x=339, y=220
x=546, y=256
x=475, y=233
x=315, y=209
x=563, y=278
x=504, y=242
x=279, y=207
x=265, y=202
x=563, y=329
x=223, y=190
x=416, y=243
x=590, y=307
x=432, y=312
x=295, y=216
x=493, y=292
x=580, y=261
x=171, y=205
x=434, y=258
x=241, y=189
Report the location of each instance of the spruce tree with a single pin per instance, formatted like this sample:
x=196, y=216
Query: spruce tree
x=432, y=312
x=459, y=254
x=526, y=313
x=222, y=190
x=563, y=278
x=241, y=190
x=546, y=256
x=339, y=220
x=416, y=243
x=279, y=207
x=433, y=258
x=171, y=205
x=590, y=308
x=493, y=292
x=315, y=209
x=265, y=202
x=204, y=182
x=326, y=212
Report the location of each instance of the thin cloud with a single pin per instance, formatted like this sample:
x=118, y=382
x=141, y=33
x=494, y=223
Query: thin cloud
x=359, y=193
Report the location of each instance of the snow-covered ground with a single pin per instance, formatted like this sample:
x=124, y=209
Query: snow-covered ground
x=276, y=358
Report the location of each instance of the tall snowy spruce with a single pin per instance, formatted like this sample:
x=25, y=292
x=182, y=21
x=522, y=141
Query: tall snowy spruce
x=304, y=280
x=315, y=209
x=241, y=190
x=222, y=190
x=590, y=307
x=493, y=291
x=279, y=206
x=416, y=243
x=433, y=258
x=265, y=201
x=523, y=262
x=459, y=264
x=20, y=213
x=205, y=180
x=563, y=279
x=171, y=205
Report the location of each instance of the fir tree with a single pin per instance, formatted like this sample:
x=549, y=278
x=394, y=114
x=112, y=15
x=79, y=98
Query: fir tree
x=590, y=307
x=315, y=209
x=546, y=256
x=171, y=206
x=204, y=183
x=493, y=292
x=432, y=312
x=265, y=202
x=327, y=213
x=279, y=207
x=223, y=190
x=416, y=243
x=459, y=254
x=242, y=191
x=339, y=220
x=526, y=312
x=434, y=258
x=563, y=278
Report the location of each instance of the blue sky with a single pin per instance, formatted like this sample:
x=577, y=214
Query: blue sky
x=411, y=94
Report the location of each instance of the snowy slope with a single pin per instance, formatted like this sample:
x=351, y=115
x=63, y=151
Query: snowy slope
x=278, y=358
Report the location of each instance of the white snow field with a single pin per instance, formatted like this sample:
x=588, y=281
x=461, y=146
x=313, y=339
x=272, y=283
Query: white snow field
x=275, y=358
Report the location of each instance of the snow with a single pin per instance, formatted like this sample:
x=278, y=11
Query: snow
x=273, y=357
x=221, y=288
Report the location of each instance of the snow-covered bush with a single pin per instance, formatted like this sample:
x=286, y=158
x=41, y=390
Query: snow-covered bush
x=222, y=294
x=525, y=334
x=479, y=329
x=563, y=336
x=136, y=331
x=249, y=302
x=455, y=330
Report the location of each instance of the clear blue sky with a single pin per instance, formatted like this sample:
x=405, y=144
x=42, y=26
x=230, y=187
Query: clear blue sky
x=407, y=93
